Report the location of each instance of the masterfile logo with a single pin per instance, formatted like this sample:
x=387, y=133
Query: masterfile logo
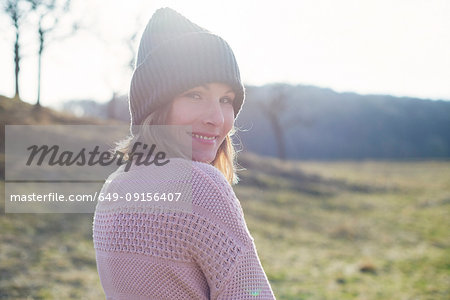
x=93, y=157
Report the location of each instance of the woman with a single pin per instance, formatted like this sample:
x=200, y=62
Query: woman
x=197, y=247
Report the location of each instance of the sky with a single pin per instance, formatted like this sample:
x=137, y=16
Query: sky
x=395, y=47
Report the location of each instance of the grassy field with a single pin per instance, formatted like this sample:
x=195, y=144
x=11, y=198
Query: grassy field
x=353, y=230
x=323, y=230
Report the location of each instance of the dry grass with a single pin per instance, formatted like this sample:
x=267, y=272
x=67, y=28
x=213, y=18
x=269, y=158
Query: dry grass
x=386, y=239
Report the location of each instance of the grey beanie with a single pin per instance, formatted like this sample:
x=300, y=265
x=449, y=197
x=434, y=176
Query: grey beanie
x=176, y=55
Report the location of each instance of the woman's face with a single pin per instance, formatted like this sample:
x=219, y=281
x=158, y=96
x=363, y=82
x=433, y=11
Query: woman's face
x=208, y=109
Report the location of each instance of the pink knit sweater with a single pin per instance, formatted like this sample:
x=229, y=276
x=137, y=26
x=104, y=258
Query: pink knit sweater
x=199, y=248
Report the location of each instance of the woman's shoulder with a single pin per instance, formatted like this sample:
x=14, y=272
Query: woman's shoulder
x=213, y=197
x=208, y=171
x=211, y=178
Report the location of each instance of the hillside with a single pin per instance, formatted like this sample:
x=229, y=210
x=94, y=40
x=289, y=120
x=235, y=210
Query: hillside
x=320, y=123
x=16, y=112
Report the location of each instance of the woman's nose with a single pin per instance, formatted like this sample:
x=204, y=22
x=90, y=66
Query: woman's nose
x=214, y=114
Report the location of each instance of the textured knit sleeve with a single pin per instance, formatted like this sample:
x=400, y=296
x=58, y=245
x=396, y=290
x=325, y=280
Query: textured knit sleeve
x=222, y=245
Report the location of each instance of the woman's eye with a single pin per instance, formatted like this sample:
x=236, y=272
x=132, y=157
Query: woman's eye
x=194, y=96
x=227, y=100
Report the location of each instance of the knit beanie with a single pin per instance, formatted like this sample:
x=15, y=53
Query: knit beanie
x=176, y=55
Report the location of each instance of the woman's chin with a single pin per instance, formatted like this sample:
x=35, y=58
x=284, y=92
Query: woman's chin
x=203, y=157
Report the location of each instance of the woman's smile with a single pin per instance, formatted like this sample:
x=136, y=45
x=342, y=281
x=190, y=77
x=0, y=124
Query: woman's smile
x=206, y=139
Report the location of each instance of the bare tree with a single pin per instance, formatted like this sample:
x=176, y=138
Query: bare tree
x=17, y=11
x=274, y=109
x=49, y=14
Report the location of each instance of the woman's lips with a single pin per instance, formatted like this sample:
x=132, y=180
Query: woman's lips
x=204, y=138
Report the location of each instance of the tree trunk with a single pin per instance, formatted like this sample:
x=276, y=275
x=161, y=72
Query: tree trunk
x=17, y=61
x=41, y=49
x=279, y=135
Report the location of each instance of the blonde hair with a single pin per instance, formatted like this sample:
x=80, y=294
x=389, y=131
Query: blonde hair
x=225, y=160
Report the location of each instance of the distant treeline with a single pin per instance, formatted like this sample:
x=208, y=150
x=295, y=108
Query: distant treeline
x=318, y=123
x=323, y=124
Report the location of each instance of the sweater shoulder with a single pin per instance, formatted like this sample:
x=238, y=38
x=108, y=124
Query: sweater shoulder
x=214, y=199
x=210, y=187
x=211, y=176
